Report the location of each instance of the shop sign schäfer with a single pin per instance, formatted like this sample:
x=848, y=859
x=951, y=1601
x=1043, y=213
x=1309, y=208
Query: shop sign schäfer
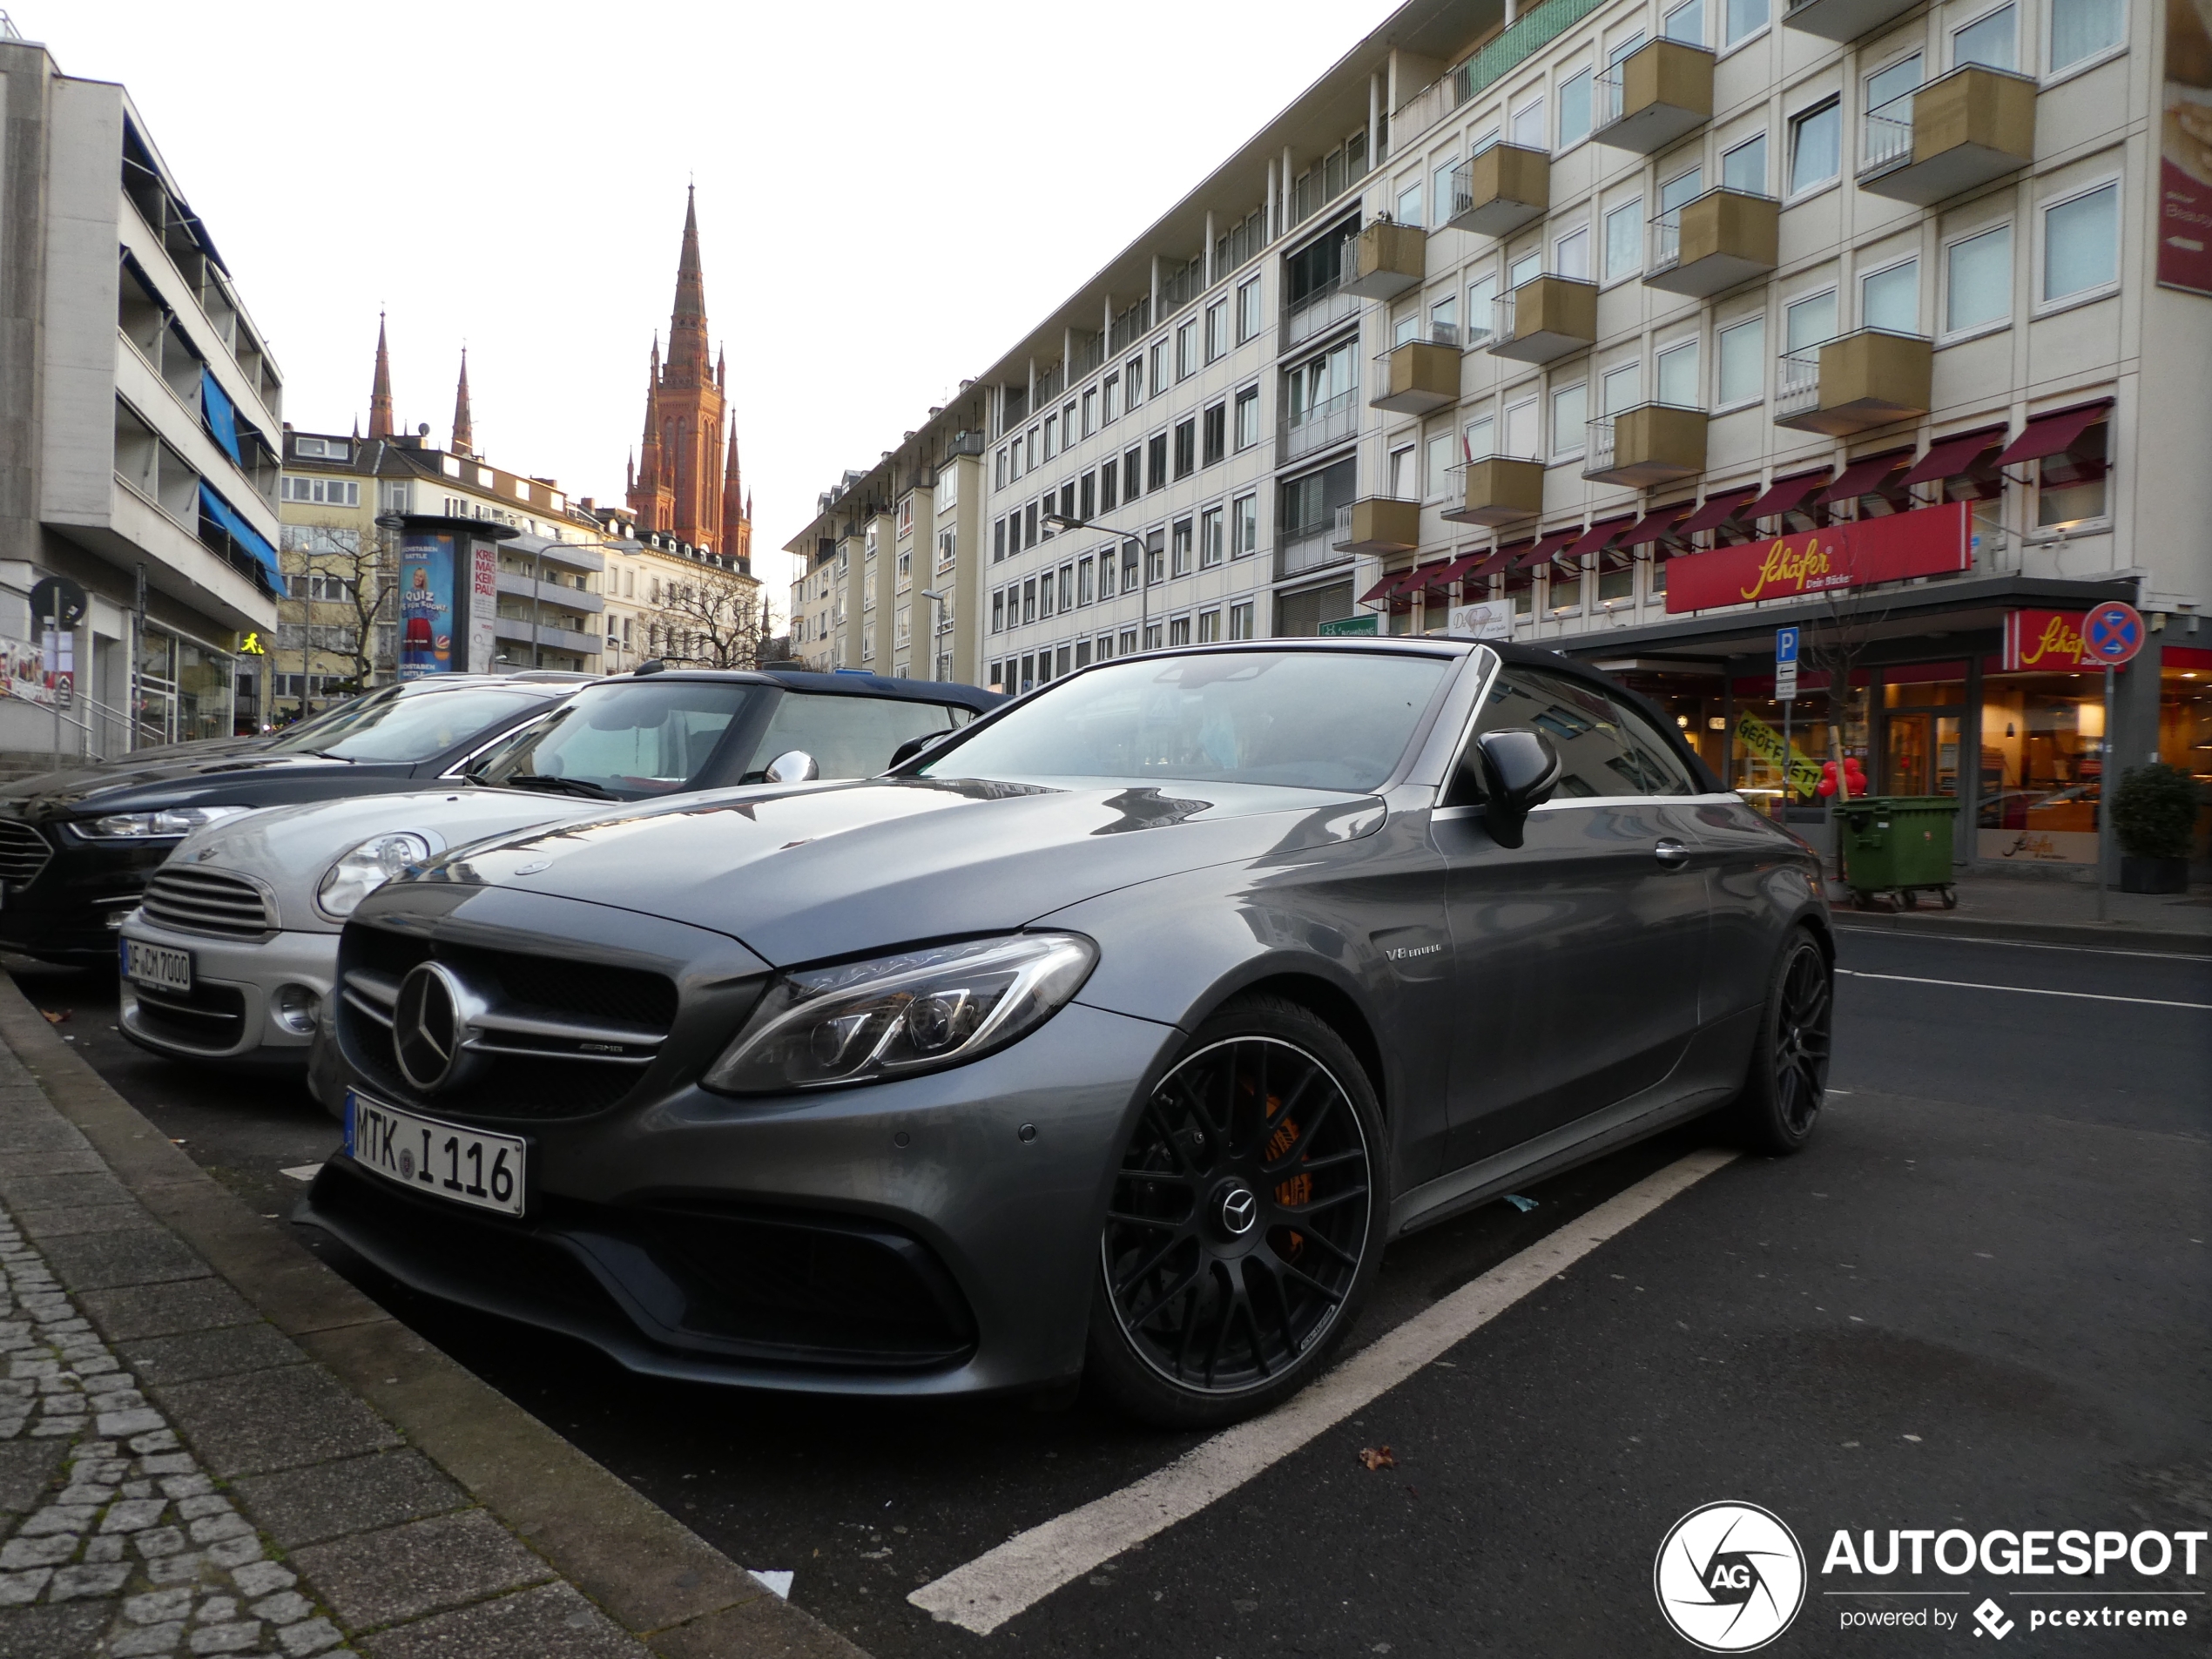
x=1929, y=541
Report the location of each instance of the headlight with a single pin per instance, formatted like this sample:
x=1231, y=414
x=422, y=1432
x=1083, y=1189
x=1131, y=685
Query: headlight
x=148, y=827
x=921, y=1011
x=368, y=867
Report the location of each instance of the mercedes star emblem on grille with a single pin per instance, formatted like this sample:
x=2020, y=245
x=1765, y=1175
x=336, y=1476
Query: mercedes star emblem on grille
x=428, y=1025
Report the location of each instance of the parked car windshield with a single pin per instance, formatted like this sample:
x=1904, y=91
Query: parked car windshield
x=409, y=728
x=626, y=741
x=1308, y=719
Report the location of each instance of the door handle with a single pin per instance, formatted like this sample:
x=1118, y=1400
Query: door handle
x=1672, y=853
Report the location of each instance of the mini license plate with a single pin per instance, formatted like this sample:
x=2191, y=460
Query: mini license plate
x=424, y=1155
x=159, y=966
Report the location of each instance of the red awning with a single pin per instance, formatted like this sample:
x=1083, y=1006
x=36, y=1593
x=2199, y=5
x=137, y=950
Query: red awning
x=1950, y=456
x=1385, y=588
x=1785, y=495
x=2047, y=435
x=1544, y=547
x=1653, y=525
x=1437, y=576
x=1717, y=511
x=1498, y=562
x=1860, y=477
x=1600, y=536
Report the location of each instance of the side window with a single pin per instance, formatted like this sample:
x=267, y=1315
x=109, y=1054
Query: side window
x=1581, y=723
x=849, y=737
x=1658, y=770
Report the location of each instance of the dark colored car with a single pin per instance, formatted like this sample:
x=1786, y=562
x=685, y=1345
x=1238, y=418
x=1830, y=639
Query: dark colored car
x=1114, y=1036
x=78, y=846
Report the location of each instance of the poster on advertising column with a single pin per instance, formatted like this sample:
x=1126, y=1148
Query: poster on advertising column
x=484, y=605
x=425, y=604
x=2185, y=151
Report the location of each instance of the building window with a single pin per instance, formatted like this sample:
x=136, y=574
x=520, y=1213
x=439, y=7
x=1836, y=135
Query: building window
x=998, y=540
x=1240, y=621
x=1676, y=377
x=998, y=475
x=1112, y=391
x=1978, y=285
x=1409, y=204
x=1217, y=330
x=1083, y=583
x=2071, y=486
x=1209, y=538
x=1482, y=298
x=1186, y=448
x=2081, y=243
x=1479, y=442
x=1248, y=313
x=1624, y=239
x=1186, y=349
x=1029, y=525
x=1132, y=474
x=1180, y=548
x=1108, y=486
x=998, y=612
x=1067, y=588
x=1574, y=109
x=1744, y=19
x=1743, y=167
x=1179, y=632
x=1152, y=637
x=1129, y=641
x=1686, y=23
x=1816, y=147
x=1215, y=435
x=2081, y=29
x=1742, y=376
x=1570, y=413
x=1051, y=435
x=1810, y=321
x=1090, y=411
x=1156, y=558
x=1106, y=573
x=1209, y=627
x=1990, y=40
x=1620, y=388
x=1248, y=417
x=1890, y=298
x=1529, y=125
x=1402, y=484
x=1159, y=372
x=1155, y=461
x=1086, y=498
x=1571, y=254
x=1243, y=536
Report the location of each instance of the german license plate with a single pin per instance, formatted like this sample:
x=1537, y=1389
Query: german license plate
x=159, y=966
x=465, y=1165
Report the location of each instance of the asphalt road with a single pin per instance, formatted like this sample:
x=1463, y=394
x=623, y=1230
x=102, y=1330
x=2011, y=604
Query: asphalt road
x=1979, y=1299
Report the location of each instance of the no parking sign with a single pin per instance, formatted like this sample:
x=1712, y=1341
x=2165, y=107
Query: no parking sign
x=2112, y=633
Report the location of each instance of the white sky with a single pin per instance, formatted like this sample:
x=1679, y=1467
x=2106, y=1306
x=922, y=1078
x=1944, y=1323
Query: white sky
x=889, y=194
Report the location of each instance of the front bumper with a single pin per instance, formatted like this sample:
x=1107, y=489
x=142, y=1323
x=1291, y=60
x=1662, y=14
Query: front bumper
x=993, y=1236
x=68, y=912
x=231, y=1012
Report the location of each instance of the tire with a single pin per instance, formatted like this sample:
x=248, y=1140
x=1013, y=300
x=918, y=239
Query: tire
x=1782, y=1097
x=1234, y=1256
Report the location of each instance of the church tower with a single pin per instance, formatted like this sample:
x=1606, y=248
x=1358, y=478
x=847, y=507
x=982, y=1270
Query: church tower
x=679, y=483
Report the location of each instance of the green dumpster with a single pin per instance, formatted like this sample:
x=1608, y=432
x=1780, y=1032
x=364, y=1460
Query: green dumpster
x=1898, y=845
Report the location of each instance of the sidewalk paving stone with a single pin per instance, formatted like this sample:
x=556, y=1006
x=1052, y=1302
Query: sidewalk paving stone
x=422, y=1566
x=225, y=1351
x=272, y=1419
x=328, y=1500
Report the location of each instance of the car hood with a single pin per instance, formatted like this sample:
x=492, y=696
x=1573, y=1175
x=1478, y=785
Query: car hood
x=809, y=873
x=198, y=778
x=286, y=849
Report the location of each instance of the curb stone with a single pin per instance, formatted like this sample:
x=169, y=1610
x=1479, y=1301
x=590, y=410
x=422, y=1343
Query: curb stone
x=190, y=1394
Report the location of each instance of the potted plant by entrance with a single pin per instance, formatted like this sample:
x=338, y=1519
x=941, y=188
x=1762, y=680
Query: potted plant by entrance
x=2153, y=812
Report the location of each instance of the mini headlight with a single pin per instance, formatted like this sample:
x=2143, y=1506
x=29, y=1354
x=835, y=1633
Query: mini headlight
x=368, y=867
x=149, y=827
x=919, y=1011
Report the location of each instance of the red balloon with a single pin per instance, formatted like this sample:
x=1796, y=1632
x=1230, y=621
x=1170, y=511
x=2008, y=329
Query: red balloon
x=1826, y=786
x=1827, y=769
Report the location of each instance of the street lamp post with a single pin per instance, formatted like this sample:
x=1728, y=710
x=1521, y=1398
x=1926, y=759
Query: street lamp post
x=1061, y=522
x=936, y=626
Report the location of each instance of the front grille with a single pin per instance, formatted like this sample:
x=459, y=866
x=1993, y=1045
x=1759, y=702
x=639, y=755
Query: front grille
x=211, y=1018
x=23, y=852
x=206, y=901
x=562, y=1038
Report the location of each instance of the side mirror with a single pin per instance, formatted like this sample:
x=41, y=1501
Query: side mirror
x=792, y=766
x=913, y=747
x=1520, y=771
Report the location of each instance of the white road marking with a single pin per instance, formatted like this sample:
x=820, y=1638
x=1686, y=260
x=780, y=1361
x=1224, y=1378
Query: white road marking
x=2023, y=990
x=1004, y=1582
x=302, y=1171
x=2024, y=944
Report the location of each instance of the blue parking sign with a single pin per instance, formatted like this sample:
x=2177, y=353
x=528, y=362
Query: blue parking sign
x=1785, y=645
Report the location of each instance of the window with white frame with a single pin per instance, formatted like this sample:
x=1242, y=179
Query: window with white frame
x=1992, y=40
x=1574, y=109
x=1482, y=296
x=1240, y=621
x=1816, y=147
x=1243, y=526
x=1444, y=320
x=1478, y=440
x=1133, y=380
x=1212, y=538
x=1744, y=165
x=1620, y=388
x=1742, y=19
x=1439, y=185
x=1110, y=397
x=1179, y=632
x=1401, y=474
x=1090, y=411
x=1683, y=187
x=1978, y=280
x=1406, y=325
x=1523, y=442
x=1409, y=204
x=1525, y=268
x=1740, y=375
x=1186, y=349
x=1674, y=376
x=1571, y=254
x=1528, y=124
x=2070, y=486
x=1248, y=417
x=1686, y=23
x=1248, y=313
x=1570, y=415
x=1209, y=627
x=2081, y=30
x=1217, y=330
x=1439, y=460
x=1890, y=298
x=1051, y=436
x=1808, y=322
x=2081, y=243
x=1159, y=381
x=1624, y=239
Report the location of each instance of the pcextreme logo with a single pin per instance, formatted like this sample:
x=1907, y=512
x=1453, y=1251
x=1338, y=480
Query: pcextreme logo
x=1729, y=1577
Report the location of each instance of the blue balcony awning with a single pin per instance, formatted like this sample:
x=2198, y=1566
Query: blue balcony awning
x=249, y=540
x=221, y=415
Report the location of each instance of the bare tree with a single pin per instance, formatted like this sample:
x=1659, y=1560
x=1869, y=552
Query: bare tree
x=710, y=617
x=359, y=565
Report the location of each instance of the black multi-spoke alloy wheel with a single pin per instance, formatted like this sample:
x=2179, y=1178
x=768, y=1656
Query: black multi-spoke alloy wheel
x=1789, y=1078
x=1245, y=1221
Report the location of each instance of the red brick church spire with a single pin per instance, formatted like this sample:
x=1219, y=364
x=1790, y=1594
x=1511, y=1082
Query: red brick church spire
x=737, y=511
x=379, y=391
x=464, y=429
x=678, y=487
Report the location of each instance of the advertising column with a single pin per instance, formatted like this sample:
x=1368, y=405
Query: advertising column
x=425, y=604
x=483, y=605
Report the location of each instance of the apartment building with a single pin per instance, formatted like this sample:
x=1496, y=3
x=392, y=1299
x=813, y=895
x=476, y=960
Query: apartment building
x=139, y=412
x=1641, y=329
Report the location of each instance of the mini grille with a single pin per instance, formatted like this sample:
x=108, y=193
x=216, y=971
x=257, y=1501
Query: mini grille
x=206, y=901
x=23, y=852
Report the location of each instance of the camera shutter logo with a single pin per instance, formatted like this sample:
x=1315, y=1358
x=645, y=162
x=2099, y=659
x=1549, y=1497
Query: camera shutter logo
x=1729, y=1577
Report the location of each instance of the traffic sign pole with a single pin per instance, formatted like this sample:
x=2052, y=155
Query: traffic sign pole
x=1785, y=687
x=2104, y=789
x=2112, y=633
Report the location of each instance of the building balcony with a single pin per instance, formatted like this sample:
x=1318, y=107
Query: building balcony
x=1958, y=132
x=1334, y=422
x=1869, y=379
x=1496, y=193
x=1844, y=20
x=1496, y=491
x=1328, y=306
x=1660, y=92
x=521, y=631
x=1714, y=242
x=1386, y=259
x=1303, y=550
x=563, y=594
x=1419, y=375
x=1378, y=524
x=1545, y=317
x=1652, y=443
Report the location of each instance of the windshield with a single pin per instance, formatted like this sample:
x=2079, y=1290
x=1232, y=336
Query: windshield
x=627, y=741
x=1307, y=719
x=408, y=728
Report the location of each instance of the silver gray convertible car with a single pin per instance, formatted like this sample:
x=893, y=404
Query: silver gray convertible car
x=1113, y=1036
